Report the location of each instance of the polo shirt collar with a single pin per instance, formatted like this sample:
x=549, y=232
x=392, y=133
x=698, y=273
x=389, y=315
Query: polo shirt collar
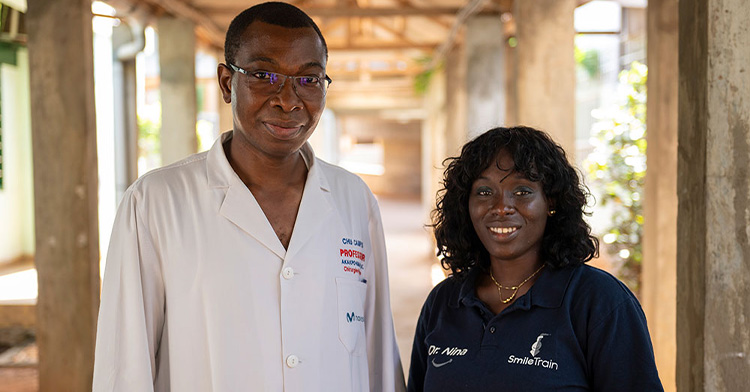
x=548, y=291
x=467, y=293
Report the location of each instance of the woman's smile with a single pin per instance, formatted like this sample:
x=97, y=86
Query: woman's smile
x=504, y=231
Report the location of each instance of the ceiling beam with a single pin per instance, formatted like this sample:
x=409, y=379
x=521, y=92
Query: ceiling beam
x=179, y=8
x=396, y=33
x=434, y=18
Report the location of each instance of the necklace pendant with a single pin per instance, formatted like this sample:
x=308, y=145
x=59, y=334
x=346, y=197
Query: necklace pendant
x=507, y=300
x=514, y=288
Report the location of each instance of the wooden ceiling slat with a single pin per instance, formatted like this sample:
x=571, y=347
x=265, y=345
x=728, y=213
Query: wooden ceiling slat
x=210, y=29
x=396, y=33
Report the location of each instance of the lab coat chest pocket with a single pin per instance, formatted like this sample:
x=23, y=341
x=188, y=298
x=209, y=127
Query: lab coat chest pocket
x=351, y=314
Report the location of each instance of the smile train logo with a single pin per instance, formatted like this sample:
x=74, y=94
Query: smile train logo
x=536, y=348
x=535, y=359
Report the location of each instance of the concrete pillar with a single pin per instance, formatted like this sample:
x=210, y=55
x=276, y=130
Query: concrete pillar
x=465, y=99
x=65, y=186
x=546, y=68
x=445, y=128
x=713, y=187
x=433, y=140
x=126, y=43
x=456, y=99
x=178, y=96
x=511, y=85
x=659, y=272
x=485, y=74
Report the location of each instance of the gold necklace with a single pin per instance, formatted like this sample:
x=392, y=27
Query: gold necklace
x=514, y=288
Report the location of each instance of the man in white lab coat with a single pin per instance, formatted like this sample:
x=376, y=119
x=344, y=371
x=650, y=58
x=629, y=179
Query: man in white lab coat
x=253, y=266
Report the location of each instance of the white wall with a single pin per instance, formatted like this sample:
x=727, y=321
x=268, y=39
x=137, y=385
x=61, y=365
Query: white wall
x=17, y=195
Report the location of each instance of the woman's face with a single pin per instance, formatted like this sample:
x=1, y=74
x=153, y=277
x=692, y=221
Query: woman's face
x=508, y=211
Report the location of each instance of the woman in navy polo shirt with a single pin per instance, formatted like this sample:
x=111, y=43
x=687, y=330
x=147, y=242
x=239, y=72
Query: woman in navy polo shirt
x=521, y=311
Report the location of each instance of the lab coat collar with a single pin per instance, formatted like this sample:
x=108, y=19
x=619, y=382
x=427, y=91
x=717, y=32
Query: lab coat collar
x=219, y=171
x=316, y=205
x=241, y=207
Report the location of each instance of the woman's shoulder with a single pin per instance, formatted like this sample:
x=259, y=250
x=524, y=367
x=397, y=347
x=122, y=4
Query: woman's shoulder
x=447, y=292
x=597, y=282
x=447, y=286
x=599, y=295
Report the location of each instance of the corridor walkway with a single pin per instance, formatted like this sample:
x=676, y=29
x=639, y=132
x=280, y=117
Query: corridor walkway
x=410, y=261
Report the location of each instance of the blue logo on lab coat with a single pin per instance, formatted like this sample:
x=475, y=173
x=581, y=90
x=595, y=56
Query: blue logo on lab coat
x=352, y=317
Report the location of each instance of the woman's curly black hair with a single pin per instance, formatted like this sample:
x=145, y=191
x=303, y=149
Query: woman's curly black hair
x=567, y=237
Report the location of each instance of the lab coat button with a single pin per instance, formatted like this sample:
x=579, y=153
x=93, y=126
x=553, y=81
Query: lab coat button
x=288, y=273
x=292, y=361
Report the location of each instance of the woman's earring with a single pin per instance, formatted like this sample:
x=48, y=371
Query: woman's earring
x=552, y=212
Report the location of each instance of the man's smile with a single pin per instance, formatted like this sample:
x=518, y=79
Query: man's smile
x=284, y=130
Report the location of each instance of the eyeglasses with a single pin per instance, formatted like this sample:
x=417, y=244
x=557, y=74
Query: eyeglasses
x=269, y=83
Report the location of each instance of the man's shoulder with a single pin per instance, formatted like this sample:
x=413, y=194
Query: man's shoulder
x=179, y=174
x=342, y=180
x=338, y=173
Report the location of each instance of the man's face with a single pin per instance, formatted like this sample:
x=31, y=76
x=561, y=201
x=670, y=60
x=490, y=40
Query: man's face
x=274, y=124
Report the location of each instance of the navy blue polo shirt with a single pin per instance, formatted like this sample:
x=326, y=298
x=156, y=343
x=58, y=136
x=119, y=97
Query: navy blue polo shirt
x=576, y=329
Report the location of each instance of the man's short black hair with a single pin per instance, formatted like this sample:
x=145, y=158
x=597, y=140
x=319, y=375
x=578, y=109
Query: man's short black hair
x=275, y=13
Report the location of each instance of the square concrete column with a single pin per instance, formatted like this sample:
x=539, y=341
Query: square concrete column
x=178, y=97
x=475, y=83
x=433, y=139
x=465, y=99
x=61, y=77
x=126, y=43
x=713, y=186
x=659, y=272
x=546, y=68
x=456, y=103
x=485, y=74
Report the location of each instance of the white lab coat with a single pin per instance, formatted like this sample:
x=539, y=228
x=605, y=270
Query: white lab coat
x=200, y=295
